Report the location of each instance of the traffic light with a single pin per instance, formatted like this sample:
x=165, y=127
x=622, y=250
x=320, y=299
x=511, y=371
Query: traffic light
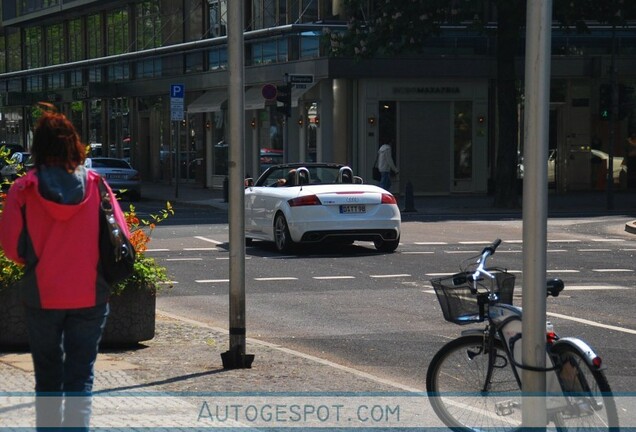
x=605, y=101
x=283, y=95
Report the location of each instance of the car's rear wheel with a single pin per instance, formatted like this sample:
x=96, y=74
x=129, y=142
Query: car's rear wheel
x=387, y=246
x=282, y=238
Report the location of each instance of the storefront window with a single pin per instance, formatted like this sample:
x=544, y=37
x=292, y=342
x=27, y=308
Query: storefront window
x=14, y=51
x=387, y=125
x=221, y=146
x=3, y=57
x=94, y=37
x=95, y=124
x=75, y=40
x=33, y=45
x=217, y=58
x=218, y=17
x=463, y=149
x=117, y=43
x=149, y=25
x=311, y=138
x=310, y=44
x=55, y=45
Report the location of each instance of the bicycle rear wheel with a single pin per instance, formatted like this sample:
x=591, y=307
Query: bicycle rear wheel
x=591, y=405
x=456, y=385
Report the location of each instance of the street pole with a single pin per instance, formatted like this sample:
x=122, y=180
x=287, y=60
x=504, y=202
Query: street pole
x=535, y=200
x=286, y=126
x=236, y=358
x=613, y=116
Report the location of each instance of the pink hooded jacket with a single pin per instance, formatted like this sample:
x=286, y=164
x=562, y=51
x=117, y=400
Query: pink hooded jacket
x=59, y=245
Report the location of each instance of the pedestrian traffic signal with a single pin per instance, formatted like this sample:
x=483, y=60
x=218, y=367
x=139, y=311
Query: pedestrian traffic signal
x=283, y=95
x=605, y=101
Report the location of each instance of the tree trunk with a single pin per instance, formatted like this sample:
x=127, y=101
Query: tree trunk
x=510, y=23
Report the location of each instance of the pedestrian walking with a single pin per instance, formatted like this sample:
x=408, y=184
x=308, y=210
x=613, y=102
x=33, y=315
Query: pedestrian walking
x=50, y=224
x=386, y=166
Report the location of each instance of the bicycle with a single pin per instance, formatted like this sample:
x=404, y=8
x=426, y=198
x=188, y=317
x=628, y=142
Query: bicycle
x=474, y=381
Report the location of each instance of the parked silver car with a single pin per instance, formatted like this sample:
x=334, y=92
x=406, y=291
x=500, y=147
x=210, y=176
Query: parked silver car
x=121, y=177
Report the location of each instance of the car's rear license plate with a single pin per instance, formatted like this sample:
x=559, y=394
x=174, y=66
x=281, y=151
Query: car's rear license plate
x=353, y=208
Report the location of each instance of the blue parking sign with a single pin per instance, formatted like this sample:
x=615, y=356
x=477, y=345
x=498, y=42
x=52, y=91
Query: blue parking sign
x=177, y=91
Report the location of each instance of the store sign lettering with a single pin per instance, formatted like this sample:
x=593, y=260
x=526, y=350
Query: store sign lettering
x=426, y=90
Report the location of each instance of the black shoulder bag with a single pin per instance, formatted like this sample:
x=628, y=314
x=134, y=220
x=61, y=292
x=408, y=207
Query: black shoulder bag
x=116, y=253
x=377, y=175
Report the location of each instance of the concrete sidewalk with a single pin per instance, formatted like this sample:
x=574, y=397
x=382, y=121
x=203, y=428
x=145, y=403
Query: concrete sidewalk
x=162, y=382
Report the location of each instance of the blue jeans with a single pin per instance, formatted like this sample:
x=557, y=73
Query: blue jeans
x=64, y=345
x=385, y=180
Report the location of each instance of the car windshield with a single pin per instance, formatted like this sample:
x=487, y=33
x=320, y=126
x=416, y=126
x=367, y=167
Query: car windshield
x=317, y=175
x=109, y=163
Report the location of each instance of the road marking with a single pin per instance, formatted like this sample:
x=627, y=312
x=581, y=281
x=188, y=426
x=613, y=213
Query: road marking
x=390, y=276
x=430, y=243
x=607, y=240
x=211, y=280
x=276, y=278
x=439, y=274
x=200, y=249
x=612, y=270
x=628, y=250
x=208, y=240
x=564, y=241
x=594, y=287
x=563, y=271
x=509, y=251
x=475, y=242
x=513, y=241
x=461, y=252
x=227, y=258
x=157, y=250
x=418, y=253
x=593, y=250
x=592, y=323
x=556, y=250
x=184, y=259
x=333, y=277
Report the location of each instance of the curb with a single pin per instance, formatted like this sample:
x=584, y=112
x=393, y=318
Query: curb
x=630, y=227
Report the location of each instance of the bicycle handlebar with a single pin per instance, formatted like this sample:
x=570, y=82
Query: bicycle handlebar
x=491, y=248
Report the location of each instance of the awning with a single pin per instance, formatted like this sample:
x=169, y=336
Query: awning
x=254, y=97
x=210, y=101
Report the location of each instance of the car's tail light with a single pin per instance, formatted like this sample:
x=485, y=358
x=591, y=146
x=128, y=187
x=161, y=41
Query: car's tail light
x=306, y=200
x=388, y=199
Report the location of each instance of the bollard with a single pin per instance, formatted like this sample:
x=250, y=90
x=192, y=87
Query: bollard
x=225, y=189
x=409, y=204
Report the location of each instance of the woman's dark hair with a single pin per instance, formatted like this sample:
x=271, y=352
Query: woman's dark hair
x=56, y=141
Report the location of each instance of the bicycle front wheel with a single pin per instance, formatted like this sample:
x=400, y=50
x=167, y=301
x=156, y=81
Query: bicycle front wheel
x=590, y=403
x=467, y=394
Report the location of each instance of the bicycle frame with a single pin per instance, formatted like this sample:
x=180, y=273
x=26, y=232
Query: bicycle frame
x=505, y=324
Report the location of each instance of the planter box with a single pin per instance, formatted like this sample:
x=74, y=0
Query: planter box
x=131, y=319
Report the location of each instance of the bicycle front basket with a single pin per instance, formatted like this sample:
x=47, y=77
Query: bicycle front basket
x=460, y=305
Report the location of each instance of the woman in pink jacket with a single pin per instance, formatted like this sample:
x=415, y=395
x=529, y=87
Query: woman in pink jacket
x=50, y=224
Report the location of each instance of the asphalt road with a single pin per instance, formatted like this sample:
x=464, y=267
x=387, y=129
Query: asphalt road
x=377, y=312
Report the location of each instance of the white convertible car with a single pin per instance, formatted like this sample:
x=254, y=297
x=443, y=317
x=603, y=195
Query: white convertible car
x=303, y=203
